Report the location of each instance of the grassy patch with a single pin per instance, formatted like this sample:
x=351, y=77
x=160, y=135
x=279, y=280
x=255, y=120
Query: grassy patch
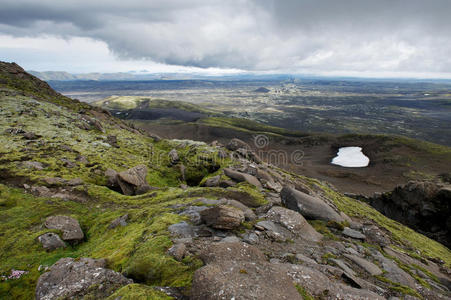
x=304, y=293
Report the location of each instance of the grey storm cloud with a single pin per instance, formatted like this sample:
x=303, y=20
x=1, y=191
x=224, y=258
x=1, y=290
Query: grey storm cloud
x=293, y=35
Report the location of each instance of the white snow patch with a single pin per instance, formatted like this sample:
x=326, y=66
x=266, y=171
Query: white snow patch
x=351, y=157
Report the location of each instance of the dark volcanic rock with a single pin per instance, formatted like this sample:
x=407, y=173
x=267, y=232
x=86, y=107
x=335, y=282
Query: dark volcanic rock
x=310, y=207
x=69, y=278
x=423, y=206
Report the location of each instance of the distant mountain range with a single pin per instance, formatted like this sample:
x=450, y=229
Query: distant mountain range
x=124, y=76
x=65, y=76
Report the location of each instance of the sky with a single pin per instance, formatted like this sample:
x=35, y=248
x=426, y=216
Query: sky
x=368, y=38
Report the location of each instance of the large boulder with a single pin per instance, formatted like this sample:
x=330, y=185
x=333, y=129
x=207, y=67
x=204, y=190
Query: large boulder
x=69, y=226
x=71, y=278
x=130, y=182
x=240, y=177
x=225, y=251
x=242, y=280
x=294, y=222
x=249, y=215
x=222, y=217
x=308, y=206
x=239, y=271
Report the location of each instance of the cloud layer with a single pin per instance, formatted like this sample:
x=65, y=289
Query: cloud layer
x=312, y=36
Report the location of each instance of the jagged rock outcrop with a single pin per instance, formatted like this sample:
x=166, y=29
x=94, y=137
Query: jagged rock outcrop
x=69, y=278
x=423, y=206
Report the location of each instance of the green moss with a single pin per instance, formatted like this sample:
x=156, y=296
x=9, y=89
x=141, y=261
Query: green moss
x=304, y=293
x=143, y=242
x=321, y=227
x=138, y=292
x=394, y=286
x=432, y=276
x=328, y=255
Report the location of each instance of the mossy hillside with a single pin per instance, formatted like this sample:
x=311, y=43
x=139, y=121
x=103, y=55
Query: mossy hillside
x=138, y=249
x=138, y=292
x=135, y=249
x=63, y=139
x=13, y=79
x=132, y=102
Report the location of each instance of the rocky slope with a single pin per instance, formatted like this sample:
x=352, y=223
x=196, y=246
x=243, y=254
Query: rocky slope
x=91, y=208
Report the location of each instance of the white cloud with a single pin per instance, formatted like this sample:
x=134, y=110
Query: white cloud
x=320, y=37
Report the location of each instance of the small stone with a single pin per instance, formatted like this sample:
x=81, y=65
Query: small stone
x=182, y=230
x=250, y=238
x=173, y=156
x=51, y=241
x=177, y=251
x=33, y=165
x=230, y=239
x=121, y=221
x=353, y=233
x=236, y=144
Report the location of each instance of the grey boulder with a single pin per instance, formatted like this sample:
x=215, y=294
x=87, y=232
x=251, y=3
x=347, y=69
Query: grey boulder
x=240, y=177
x=51, y=241
x=69, y=226
x=308, y=206
x=70, y=278
x=222, y=217
x=294, y=222
x=133, y=181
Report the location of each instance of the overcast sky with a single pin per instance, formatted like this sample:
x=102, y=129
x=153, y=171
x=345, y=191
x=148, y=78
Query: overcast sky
x=405, y=38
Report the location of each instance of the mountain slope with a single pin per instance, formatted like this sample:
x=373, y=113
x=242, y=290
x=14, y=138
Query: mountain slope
x=58, y=157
